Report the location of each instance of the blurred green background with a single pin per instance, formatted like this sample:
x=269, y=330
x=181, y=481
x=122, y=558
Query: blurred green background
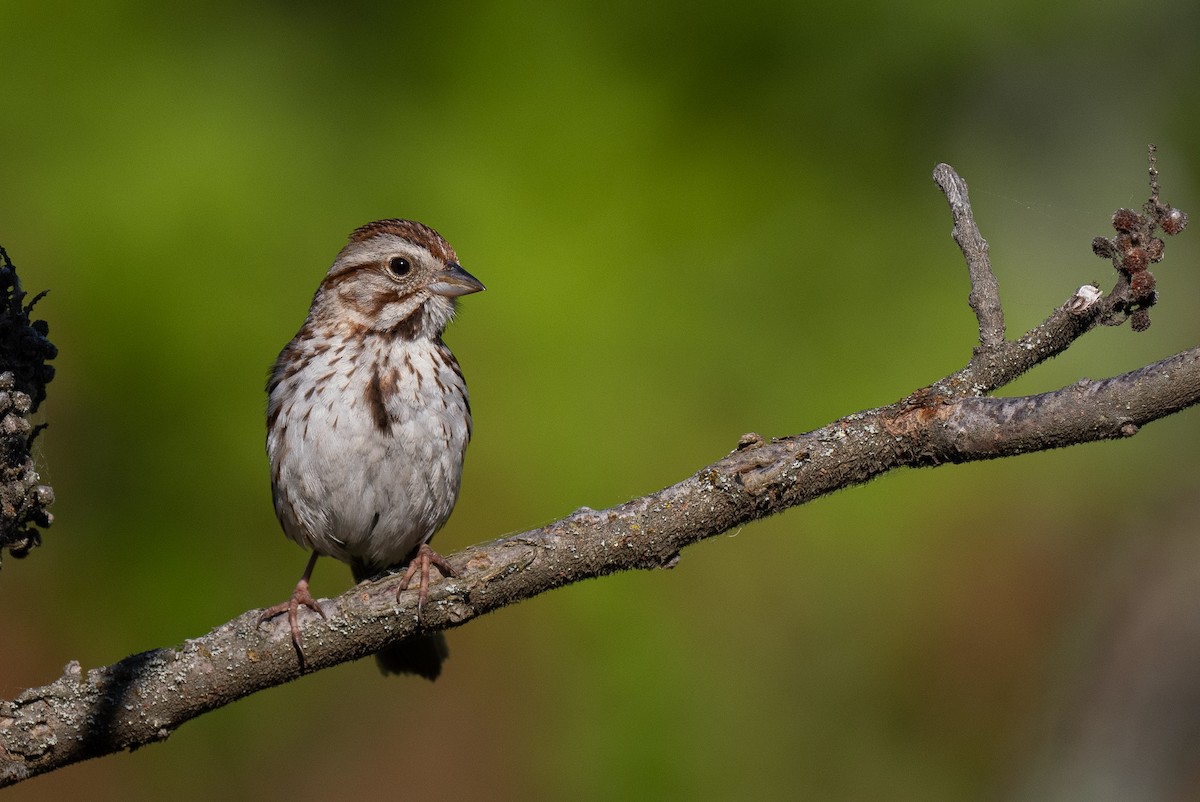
x=694, y=220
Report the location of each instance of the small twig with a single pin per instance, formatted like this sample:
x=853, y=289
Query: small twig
x=1152, y=157
x=985, y=291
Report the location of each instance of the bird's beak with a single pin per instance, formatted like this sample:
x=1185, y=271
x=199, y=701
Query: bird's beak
x=454, y=281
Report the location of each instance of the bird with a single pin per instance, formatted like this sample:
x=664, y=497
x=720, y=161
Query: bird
x=368, y=421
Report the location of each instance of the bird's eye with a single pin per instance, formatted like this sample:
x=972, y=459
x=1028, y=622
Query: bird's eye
x=399, y=266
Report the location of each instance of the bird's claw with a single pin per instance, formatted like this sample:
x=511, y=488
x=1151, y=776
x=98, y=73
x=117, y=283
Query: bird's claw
x=300, y=597
x=421, y=561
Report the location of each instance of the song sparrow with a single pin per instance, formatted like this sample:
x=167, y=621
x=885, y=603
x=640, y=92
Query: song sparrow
x=368, y=420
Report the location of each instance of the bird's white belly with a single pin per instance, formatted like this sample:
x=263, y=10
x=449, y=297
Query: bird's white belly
x=351, y=486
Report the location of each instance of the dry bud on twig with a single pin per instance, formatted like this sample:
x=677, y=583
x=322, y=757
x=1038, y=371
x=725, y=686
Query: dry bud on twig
x=1134, y=248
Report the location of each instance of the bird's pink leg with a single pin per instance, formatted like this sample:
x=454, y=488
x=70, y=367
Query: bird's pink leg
x=300, y=596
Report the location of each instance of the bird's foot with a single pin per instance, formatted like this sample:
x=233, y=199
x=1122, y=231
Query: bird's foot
x=300, y=597
x=420, y=563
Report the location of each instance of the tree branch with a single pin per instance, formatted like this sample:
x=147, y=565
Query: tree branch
x=143, y=698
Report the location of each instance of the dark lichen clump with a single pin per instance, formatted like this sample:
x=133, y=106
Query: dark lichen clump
x=24, y=352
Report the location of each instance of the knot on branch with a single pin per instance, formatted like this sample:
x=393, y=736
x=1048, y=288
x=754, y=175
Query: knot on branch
x=1134, y=248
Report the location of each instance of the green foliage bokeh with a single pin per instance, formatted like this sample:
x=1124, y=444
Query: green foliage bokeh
x=694, y=221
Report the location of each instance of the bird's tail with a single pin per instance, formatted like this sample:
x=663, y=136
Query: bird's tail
x=421, y=655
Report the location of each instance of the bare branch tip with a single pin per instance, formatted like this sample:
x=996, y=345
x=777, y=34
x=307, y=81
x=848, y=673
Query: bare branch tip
x=1152, y=160
x=950, y=182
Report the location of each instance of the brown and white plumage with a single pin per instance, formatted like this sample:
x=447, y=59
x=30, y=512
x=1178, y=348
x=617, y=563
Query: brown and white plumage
x=368, y=418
